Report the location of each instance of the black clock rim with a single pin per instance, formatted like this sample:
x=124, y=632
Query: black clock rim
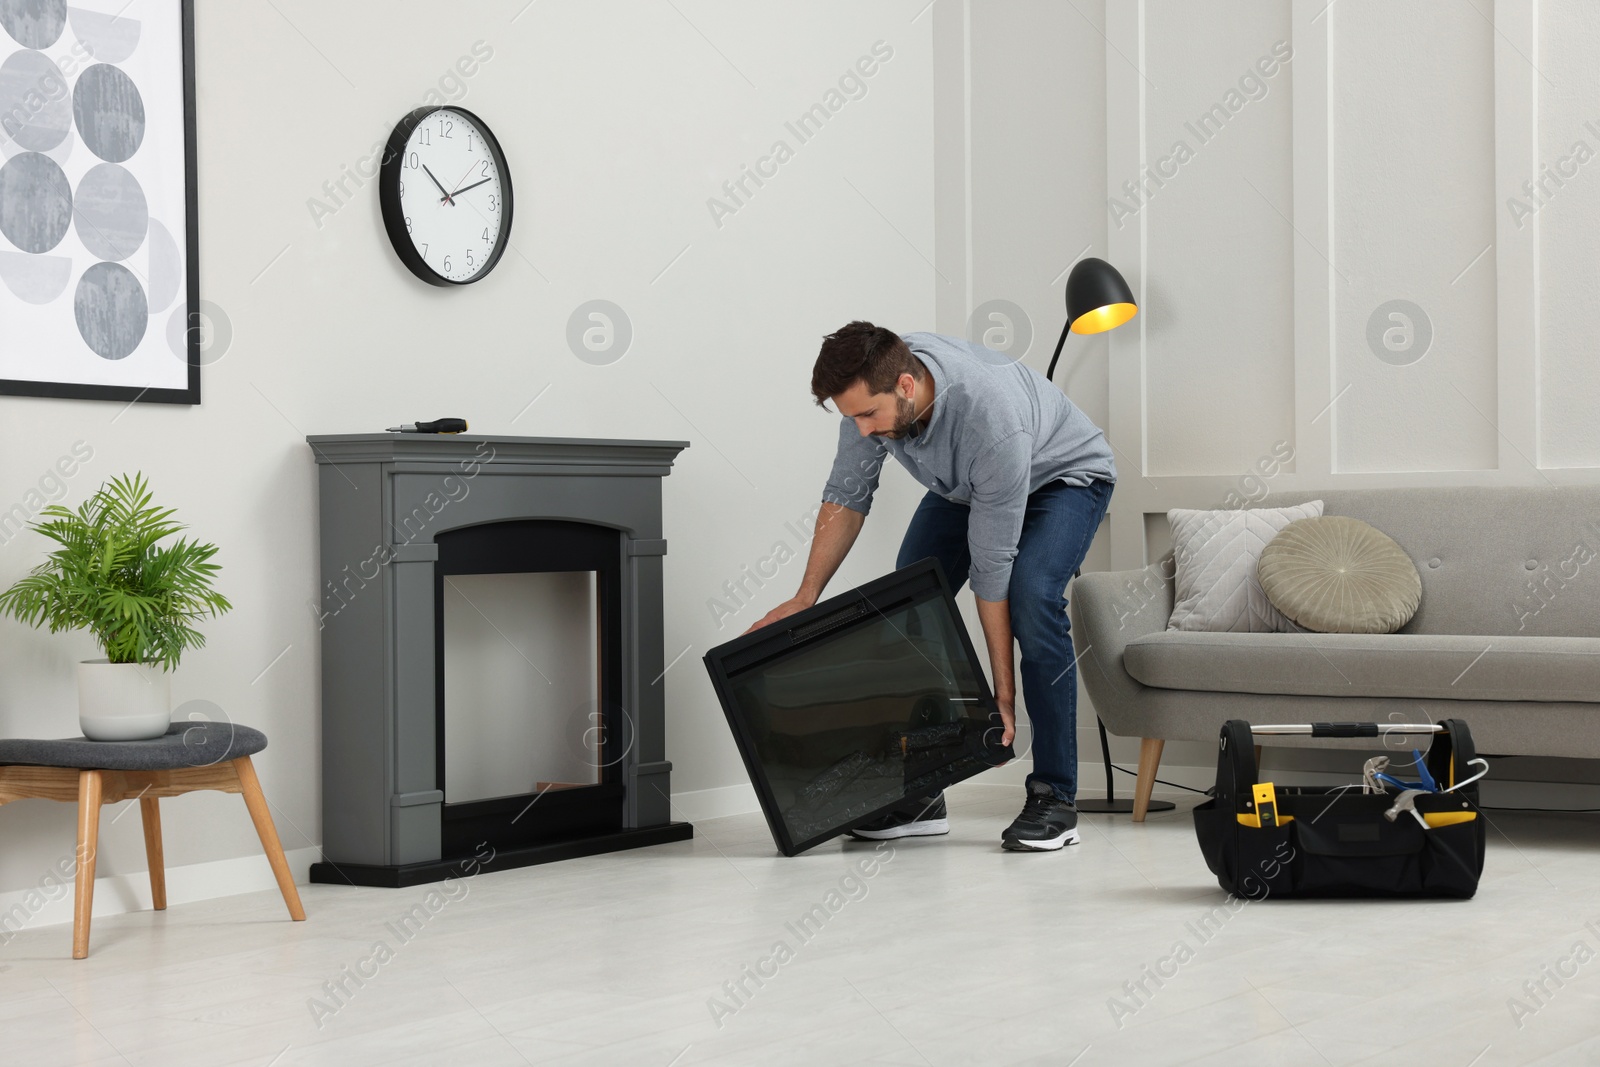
x=394, y=218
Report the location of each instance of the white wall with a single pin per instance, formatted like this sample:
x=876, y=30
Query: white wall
x=620, y=120
x=1377, y=166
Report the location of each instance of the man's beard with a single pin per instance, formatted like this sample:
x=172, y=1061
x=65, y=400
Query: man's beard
x=904, y=416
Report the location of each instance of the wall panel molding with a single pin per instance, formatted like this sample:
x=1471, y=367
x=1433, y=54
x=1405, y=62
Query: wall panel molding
x=1499, y=436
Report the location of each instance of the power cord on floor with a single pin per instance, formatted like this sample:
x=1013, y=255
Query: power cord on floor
x=1497, y=757
x=1163, y=781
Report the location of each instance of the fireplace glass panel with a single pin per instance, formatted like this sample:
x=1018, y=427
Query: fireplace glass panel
x=865, y=716
x=521, y=683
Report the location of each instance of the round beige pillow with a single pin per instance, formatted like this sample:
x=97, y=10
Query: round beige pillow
x=1338, y=575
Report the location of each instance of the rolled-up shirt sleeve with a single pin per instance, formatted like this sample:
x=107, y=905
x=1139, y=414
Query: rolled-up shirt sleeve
x=999, y=480
x=856, y=467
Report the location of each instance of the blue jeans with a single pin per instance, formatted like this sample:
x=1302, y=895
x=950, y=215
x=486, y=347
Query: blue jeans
x=1060, y=522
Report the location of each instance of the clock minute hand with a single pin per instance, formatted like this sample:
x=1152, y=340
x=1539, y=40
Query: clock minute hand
x=446, y=199
x=474, y=185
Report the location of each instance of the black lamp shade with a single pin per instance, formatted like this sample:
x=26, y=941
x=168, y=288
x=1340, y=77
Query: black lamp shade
x=1098, y=298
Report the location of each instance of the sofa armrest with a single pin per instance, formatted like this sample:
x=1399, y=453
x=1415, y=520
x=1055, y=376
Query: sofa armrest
x=1108, y=610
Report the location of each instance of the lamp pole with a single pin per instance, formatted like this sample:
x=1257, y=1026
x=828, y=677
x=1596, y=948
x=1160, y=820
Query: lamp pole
x=1098, y=299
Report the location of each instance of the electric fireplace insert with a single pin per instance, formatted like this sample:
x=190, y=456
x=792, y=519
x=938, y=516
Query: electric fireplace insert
x=856, y=704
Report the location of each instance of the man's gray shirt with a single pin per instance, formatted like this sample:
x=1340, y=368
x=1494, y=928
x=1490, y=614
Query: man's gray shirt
x=998, y=431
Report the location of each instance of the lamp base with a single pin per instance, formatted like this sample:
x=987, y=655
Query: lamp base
x=1109, y=804
x=1114, y=806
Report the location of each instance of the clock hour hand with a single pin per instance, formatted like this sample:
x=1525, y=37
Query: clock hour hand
x=446, y=199
x=474, y=185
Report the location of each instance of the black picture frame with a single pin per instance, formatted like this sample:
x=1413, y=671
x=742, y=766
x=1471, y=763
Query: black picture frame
x=190, y=393
x=394, y=215
x=864, y=603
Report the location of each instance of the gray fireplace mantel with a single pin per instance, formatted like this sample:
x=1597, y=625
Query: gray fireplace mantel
x=384, y=499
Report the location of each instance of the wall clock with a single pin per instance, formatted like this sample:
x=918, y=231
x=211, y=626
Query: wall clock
x=445, y=191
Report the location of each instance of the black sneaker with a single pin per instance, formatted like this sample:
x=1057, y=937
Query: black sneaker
x=924, y=817
x=1046, y=822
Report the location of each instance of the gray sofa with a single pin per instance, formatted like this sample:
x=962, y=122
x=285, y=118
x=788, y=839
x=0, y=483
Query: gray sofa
x=1507, y=636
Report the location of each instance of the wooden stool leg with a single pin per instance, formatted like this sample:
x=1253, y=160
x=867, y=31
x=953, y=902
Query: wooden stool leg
x=89, y=793
x=1149, y=760
x=149, y=809
x=262, y=816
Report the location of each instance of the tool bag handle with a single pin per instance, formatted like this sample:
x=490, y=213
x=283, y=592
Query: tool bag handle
x=1447, y=757
x=1451, y=751
x=1236, y=765
x=1350, y=729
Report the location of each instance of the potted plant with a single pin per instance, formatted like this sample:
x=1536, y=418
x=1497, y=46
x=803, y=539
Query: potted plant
x=139, y=599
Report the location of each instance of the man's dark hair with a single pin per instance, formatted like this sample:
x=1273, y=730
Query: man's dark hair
x=862, y=351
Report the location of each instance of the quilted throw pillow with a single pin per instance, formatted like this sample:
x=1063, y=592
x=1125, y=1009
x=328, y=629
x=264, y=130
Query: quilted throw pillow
x=1216, y=553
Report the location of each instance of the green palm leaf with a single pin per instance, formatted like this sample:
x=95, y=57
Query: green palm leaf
x=110, y=575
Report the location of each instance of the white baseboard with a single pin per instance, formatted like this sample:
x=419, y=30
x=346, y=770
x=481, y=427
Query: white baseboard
x=741, y=799
x=697, y=804
x=50, y=901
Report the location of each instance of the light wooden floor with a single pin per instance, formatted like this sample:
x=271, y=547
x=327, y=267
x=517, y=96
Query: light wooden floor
x=950, y=952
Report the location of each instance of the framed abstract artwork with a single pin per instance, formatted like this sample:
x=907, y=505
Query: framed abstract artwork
x=99, y=282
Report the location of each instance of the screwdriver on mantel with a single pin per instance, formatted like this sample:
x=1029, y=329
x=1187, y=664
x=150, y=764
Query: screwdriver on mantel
x=436, y=426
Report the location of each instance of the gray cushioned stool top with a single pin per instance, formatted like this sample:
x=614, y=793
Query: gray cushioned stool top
x=185, y=744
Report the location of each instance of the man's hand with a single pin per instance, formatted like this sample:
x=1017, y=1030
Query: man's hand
x=1008, y=715
x=836, y=531
x=782, y=611
x=995, y=615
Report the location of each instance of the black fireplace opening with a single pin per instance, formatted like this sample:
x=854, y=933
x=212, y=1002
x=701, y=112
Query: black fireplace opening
x=584, y=738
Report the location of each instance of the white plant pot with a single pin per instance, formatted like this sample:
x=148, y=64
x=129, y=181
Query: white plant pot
x=123, y=701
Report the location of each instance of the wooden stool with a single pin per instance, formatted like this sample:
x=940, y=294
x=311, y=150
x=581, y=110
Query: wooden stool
x=192, y=755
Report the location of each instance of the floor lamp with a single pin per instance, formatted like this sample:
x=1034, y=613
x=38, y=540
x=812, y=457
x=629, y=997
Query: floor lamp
x=1098, y=299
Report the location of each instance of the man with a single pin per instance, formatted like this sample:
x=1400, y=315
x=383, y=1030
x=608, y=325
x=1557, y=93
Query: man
x=1018, y=480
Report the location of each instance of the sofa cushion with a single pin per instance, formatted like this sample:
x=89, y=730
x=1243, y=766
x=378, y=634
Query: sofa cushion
x=1420, y=666
x=1216, y=553
x=1337, y=575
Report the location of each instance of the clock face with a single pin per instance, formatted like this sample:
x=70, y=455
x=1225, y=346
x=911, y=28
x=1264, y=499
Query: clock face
x=446, y=195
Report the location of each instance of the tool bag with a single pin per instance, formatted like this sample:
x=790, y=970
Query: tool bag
x=1270, y=840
